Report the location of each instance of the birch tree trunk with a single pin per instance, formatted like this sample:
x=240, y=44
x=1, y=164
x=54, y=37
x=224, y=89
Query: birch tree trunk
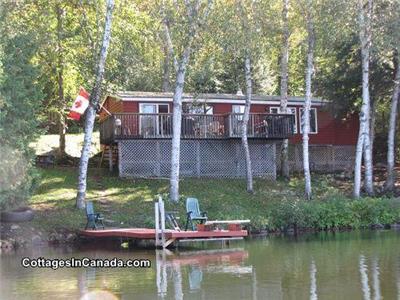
x=391, y=157
x=363, y=143
x=194, y=23
x=372, y=128
x=60, y=82
x=246, y=116
x=91, y=110
x=307, y=103
x=358, y=163
x=284, y=86
x=176, y=127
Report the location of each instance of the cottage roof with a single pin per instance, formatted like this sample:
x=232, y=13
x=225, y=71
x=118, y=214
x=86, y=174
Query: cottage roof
x=129, y=94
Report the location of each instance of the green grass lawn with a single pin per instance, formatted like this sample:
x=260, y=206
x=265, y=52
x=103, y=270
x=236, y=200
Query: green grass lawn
x=129, y=202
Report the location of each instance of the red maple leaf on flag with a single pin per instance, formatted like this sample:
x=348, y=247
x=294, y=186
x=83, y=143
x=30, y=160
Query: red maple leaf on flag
x=78, y=103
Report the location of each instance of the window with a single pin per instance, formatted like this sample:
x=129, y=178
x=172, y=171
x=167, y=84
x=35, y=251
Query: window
x=313, y=120
x=150, y=108
x=238, y=109
x=190, y=108
x=291, y=110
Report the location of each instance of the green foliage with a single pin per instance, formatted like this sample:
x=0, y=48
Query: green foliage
x=20, y=100
x=334, y=213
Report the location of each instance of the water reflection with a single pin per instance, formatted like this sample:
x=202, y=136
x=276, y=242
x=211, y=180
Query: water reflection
x=222, y=261
x=341, y=266
x=375, y=279
x=398, y=278
x=313, y=279
x=364, y=278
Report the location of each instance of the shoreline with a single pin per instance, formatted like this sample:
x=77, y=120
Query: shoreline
x=16, y=239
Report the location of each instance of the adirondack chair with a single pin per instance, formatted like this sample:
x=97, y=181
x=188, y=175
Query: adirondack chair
x=94, y=220
x=193, y=213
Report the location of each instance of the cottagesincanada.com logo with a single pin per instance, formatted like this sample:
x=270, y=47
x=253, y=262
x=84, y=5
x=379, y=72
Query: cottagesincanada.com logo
x=85, y=262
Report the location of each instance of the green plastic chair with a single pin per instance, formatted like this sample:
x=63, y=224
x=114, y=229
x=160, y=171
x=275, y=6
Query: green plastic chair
x=193, y=213
x=94, y=220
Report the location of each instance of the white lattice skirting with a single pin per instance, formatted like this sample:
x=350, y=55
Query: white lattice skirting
x=199, y=158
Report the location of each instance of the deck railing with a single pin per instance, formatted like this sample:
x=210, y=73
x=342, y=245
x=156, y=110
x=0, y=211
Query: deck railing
x=194, y=126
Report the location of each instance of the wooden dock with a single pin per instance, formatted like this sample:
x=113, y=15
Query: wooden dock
x=170, y=235
x=165, y=237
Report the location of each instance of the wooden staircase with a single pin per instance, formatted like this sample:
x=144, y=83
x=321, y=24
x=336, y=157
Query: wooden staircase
x=109, y=155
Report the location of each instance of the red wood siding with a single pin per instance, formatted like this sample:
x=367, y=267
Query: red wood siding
x=131, y=106
x=112, y=105
x=221, y=108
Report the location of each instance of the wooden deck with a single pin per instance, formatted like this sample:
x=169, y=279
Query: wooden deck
x=150, y=234
x=122, y=126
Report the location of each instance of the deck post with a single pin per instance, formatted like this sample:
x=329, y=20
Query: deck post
x=110, y=157
x=237, y=159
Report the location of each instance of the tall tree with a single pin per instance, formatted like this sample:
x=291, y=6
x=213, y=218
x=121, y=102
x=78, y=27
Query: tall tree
x=247, y=36
x=60, y=80
x=391, y=157
x=245, y=121
x=284, y=85
x=391, y=23
x=194, y=20
x=91, y=110
x=20, y=102
x=307, y=102
x=363, y=143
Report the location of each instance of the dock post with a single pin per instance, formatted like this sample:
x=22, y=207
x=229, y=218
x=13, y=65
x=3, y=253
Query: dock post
x=157, y=223
x=162, y=215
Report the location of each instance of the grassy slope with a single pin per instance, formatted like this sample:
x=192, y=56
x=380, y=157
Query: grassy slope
x=130, y=202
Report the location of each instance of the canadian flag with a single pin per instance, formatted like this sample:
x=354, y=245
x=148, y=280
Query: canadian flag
x=80, y=105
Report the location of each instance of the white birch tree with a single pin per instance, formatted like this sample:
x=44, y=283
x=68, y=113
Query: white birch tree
x=284, y=85
x=391, y=154
x=307, y=102
x=391, y=24
x=194, y=21
x=90, y=114
x=363, y=144
x=247, y=39
x=246, y=117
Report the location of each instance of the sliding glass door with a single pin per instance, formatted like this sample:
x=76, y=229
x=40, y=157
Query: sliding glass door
x=152, y=124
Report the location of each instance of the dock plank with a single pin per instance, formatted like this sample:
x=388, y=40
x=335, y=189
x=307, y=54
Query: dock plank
x=148, y=233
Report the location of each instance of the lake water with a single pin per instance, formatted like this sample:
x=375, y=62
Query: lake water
x=355, y=265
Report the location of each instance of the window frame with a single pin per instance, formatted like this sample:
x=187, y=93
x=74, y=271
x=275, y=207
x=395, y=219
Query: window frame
x=294, y=112
x=316, y=120
x=156, y=104
x=157, y=121
x=238, y=105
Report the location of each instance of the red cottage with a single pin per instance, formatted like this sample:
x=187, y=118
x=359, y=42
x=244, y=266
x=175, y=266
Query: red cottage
x=136, y=131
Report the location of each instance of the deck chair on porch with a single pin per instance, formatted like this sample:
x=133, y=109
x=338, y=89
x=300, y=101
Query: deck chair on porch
x=193, y=213
x=94, y=220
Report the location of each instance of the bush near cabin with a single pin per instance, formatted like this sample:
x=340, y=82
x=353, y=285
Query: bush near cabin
x=334, y=213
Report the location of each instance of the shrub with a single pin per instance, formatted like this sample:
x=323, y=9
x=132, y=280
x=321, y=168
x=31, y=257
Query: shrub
x=333, y=213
